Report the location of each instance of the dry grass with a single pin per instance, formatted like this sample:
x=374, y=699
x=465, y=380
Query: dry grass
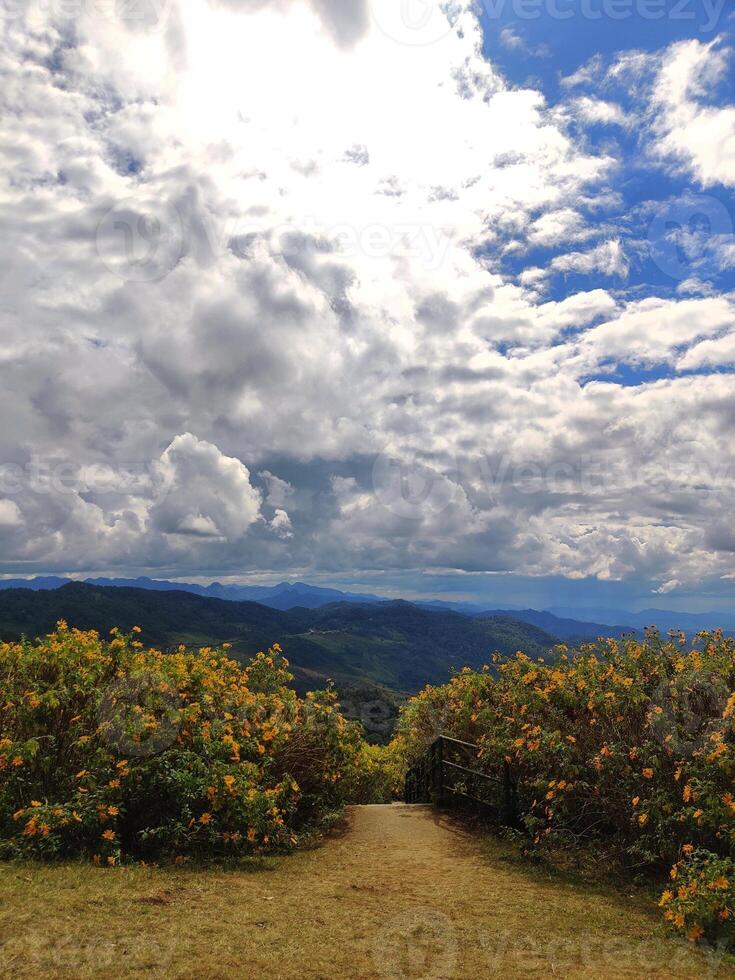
x=403, y=893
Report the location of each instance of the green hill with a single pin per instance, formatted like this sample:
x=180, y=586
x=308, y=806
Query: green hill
x=391, y=644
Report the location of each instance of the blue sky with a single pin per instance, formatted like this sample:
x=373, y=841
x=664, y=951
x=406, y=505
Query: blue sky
x=425, y=298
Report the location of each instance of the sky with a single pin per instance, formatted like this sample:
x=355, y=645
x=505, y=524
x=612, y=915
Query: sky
x=415, y=298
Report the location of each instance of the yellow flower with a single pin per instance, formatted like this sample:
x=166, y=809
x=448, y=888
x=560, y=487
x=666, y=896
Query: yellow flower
x=205, y=818
x=648, y=773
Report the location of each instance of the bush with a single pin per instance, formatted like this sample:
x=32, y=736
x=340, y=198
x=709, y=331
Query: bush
x=109, y=749
x=630, y=742
x=701, y=900
x=377, y=775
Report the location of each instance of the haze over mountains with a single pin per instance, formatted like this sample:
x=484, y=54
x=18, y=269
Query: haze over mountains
x=394, y=644
x=563, y=622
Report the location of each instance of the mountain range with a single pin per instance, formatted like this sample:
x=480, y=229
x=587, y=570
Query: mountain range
x=397, y=645
x=565, y=623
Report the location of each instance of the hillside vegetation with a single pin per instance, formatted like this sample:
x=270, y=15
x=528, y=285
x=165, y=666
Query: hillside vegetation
x=628, y=746
x=112, y=750
x=395, y=644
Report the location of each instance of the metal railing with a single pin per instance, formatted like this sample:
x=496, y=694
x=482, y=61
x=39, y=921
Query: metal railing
x=442, y=779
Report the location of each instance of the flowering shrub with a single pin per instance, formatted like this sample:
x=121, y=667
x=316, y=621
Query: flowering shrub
x=627, y=740
x=701, y=900
x=110, y=749
x=378, y=775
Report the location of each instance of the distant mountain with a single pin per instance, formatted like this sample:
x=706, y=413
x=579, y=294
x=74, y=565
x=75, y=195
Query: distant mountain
x=663, y=619
x=394, y=644
x=39, y=583
x=568, y=630
x=285, y=595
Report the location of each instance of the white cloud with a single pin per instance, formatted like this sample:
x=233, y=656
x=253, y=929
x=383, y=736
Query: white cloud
x=204, y=493
x=701, y=136
x=281, y=524
x=10, y=515
x=608, y=258
x=320, y=287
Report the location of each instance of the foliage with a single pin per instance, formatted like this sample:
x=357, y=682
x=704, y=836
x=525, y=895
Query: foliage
x=700, y=903
x=396, y=644
x=111, y=749
x=630, y=741
x=377, y=776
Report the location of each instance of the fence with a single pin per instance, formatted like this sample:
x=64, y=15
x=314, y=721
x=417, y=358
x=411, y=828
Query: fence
x=440, y=778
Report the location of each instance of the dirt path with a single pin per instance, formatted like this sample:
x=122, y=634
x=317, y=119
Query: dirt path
x=402, y=893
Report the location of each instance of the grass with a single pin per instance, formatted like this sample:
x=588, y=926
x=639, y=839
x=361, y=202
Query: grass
x=401, y=893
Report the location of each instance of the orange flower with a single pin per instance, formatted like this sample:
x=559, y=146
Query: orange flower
x=109, y=835
x=205, y=818
x=648, y=773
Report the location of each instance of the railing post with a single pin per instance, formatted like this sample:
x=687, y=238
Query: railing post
x=440, y=771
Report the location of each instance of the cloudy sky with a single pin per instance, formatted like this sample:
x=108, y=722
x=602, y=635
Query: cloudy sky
x=412, y=297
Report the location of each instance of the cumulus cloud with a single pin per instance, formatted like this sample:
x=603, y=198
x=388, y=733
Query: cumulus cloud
x=204, y=492
x=700, y=135
x=252, y=327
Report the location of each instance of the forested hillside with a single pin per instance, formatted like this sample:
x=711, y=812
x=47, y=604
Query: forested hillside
x=395, y=644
